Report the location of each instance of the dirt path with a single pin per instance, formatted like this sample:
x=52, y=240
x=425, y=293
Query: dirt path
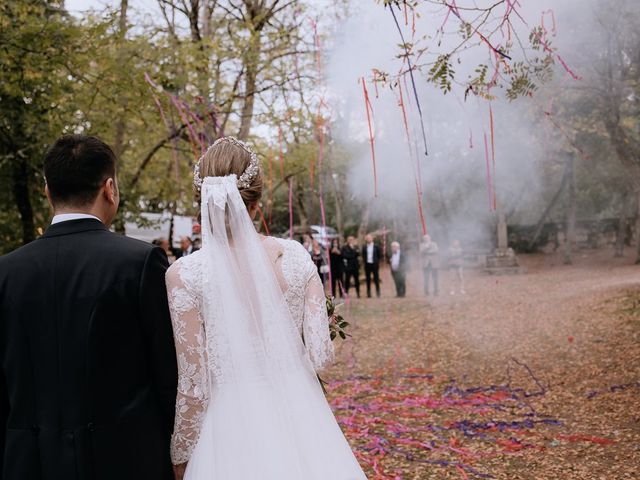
x=532, y=376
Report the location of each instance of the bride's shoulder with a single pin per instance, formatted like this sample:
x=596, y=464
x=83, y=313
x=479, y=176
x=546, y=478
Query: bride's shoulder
x=290, y=248
x=186, y=270
x=296, y=260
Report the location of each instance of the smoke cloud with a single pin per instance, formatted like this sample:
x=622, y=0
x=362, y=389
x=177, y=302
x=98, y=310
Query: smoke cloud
x=453, y=176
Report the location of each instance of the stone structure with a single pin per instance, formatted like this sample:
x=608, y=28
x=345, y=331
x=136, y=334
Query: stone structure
x=504, y=260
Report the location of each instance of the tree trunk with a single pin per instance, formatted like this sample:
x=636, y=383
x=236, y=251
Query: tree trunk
x=571, y=214
x=547, y=211
x=193, y=13
x=336, y=198
x=20, y=180
x=118, y=144
x=207, y=13
x=622, y=226
x=302, y=211
x=251, y=74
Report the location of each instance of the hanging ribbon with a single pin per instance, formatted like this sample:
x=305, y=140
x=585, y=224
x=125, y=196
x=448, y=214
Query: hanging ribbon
x=493, y=157
x=270, y=199
x=423, y=223
x=281, y=151
x=291, y=208
x=369, y=109
x=413, y=81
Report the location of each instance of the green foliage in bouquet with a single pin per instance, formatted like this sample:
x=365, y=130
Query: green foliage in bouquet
x=337, y=324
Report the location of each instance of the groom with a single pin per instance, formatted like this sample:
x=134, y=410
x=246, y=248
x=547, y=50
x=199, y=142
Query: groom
x=88, y=368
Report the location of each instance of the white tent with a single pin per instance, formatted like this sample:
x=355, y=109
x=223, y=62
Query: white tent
x=158, y=225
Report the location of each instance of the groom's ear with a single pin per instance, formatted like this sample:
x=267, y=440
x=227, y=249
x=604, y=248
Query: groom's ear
x=48, y=194
x=111, y=191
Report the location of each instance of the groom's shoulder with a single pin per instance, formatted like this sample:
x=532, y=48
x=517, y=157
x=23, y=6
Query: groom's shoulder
x=125, y=249
x=109, y=244
x=20, y=260
x=130, y=244
x=17, y=256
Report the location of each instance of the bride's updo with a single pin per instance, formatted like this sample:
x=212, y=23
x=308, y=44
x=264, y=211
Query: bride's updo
x=226, y=158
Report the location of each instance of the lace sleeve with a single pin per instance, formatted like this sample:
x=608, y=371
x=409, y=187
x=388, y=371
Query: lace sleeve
x=193, y=384
x=315, y=323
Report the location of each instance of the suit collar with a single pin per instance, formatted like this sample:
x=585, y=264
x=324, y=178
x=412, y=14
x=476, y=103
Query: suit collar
x=73, y=226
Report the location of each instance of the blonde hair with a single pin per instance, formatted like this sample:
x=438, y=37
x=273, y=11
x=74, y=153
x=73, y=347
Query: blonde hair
x=225, y=159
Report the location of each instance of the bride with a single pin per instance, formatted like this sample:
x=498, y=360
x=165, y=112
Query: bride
x=251, y=329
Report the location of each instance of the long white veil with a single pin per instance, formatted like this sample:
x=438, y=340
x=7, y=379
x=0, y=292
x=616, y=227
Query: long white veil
x=240, y=290
x=265, y=397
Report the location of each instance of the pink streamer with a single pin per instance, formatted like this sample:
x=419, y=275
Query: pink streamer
x=291, y=208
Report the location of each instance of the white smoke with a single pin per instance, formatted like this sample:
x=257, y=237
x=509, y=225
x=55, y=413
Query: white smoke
x=454, y=174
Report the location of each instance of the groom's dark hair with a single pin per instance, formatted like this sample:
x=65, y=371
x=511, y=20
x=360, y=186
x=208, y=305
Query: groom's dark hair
x=75, y=168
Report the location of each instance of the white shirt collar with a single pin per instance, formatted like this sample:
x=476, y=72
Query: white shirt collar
x=65, y=217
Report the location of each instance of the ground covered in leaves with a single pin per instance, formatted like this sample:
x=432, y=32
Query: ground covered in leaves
x=534, y=376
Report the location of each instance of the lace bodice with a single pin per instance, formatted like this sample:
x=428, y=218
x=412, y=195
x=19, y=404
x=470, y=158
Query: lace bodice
x=199, y=368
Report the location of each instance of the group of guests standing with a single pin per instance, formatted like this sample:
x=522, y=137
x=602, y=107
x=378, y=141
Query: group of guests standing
x=341, y=265
x=187, y=247
x=431, y=266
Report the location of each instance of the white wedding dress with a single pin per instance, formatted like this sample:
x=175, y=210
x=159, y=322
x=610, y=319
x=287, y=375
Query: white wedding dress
x=251, y=329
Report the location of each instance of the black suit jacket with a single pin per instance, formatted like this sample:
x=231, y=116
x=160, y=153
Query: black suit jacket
x=178, y=253
x=350, y=258
x=376, y=254
x=88, y=375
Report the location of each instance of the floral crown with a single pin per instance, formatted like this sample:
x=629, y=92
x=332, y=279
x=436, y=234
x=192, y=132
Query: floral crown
x=244, y=181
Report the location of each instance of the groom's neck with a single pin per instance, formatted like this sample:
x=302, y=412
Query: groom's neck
x=87, y=210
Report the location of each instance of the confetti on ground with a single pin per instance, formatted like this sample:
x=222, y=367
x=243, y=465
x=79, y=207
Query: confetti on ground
x=487, y=385
x=416, y=418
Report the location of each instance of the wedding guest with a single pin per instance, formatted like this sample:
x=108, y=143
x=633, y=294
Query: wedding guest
x=398, y=269
x=430, y=258
x=455, y=267
x=350, y=255
x=164, y=244
x=319, y=258
x=337, y=268
x=186, y=247
x=371, y=257
x=307, y=243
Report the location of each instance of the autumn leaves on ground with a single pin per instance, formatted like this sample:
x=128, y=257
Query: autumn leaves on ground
x=535, y=376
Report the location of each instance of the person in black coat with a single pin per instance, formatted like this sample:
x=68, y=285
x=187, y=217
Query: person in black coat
x=350, y=256
x=371, y=257
x=88, y=367
x=398, y=262
x=337, y=268
x=319, y=258
x=186, y=247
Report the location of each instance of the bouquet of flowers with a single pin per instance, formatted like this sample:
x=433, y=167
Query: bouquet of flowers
x=337, y=323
